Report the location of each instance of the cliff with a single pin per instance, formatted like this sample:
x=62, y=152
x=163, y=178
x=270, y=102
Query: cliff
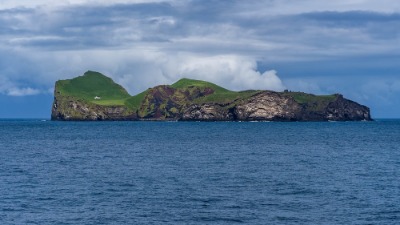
x=94, y=96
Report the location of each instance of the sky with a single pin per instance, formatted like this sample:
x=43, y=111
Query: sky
x=350, y=47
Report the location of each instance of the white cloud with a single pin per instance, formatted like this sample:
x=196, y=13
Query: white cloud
x=24, y=40
x=7, y=4
x=231, y=71
x=139, y=69
x=11, y=89
x=22, y=91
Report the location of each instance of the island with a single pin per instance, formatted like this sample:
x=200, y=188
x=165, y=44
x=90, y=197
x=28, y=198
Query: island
x=96, y=97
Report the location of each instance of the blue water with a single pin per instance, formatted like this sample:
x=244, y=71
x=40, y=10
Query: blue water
x=199, y=173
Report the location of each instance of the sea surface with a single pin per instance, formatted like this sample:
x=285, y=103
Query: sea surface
x=199, y=172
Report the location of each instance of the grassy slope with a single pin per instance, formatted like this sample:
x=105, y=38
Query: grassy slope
x=134, y=102
x=93, y=84
x=220, y=95
x=184, y=83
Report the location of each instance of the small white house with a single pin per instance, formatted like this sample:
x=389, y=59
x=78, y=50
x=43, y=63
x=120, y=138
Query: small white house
x=97, y=98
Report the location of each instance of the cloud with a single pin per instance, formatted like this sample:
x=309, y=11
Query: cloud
x=234, y=72
x=212, y=27
x=142, y=69
x=136, y=70
x=22, y=91
x=7, y=4
x=8, y=87
x=301, y=31
x=290, y=7
x=175, y=28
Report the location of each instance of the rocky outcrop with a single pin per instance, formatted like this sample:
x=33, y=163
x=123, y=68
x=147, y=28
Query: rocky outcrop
x=273, y=106
x=165, y=102
x=207, y=112
x=265, y=106
x=268, y=106
x=72, y=109
x=343, y=110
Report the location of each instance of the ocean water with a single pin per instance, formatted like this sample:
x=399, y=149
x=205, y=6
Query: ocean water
x=199, y=173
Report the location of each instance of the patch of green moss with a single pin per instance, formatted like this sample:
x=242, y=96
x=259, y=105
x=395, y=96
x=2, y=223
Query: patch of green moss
x=174, y=110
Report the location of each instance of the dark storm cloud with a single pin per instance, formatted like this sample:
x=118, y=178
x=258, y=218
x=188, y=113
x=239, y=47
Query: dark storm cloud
x=121, y=25
x=376, y=25
x=225, y=27
x=82, y=27
x=352, y=18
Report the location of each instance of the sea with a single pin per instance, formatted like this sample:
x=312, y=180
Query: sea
x=199, y=172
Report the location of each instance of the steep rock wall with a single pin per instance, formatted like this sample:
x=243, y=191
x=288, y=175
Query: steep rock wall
x=68, y=108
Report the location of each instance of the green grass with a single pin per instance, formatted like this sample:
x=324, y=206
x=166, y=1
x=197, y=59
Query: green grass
x=302, y=97
x=314, y=102
x=93, y=84
x=185, y=83
x=134, y=102
x=116, y=102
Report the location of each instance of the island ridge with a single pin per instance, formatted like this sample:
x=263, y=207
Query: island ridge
x=94, y=96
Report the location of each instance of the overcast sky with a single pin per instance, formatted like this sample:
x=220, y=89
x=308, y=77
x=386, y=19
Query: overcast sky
x=345, y=46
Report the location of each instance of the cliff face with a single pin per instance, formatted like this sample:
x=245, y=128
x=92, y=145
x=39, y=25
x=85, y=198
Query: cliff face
x=191, y=100
x=165, y=102
x=272, y=106
x=268, y=106
x=68, y=108
x=264, y=105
